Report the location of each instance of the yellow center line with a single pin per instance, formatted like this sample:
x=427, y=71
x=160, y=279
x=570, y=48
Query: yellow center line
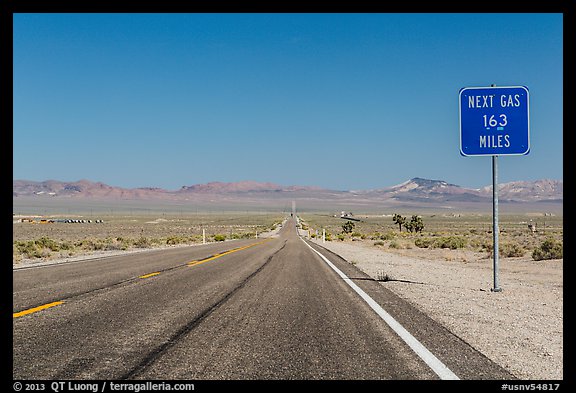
x=150, y=275
x=194, y=263
x=35, y=309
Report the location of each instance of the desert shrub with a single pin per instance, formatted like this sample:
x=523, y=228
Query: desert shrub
x=328, y=237
x=379, y=243
x=124, y=243
x=142, y=242
x=90, y=245
x=340, y=237
x=375, y=236
x=156, y=241
x=357, y=234
x=423, y=242
x=549, y=249
x=451, y=242
x=83, y=244
x=113, y=245
x=98, y=245
x=219, y=238
x=45, y=242
x=477, y=244
x=243, y=235
x=28, y=249
x=511, y=250
x=487, y=246
x=382, y=276
x=16, y=256
x=394, y=244
x=388, y=236
x=66, y=245
x=173, y=240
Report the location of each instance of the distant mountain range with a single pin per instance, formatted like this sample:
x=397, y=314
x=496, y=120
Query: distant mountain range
x=425, y=190
x=416, y=191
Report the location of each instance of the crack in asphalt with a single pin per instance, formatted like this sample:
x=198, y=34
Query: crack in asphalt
x=155, y=354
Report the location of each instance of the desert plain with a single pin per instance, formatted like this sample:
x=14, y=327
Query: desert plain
x=446, y=270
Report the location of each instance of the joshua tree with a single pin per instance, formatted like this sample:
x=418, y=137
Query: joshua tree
x=415, y=224
x=398, y=219
x=348, y=227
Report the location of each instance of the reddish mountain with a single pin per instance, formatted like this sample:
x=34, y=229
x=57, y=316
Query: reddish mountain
x=416, y=190
x=220, y=187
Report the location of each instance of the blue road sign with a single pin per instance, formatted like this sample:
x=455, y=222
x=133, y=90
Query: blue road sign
x=494, y=121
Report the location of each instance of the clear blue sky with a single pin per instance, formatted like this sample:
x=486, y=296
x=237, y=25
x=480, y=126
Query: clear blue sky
x=342, y=101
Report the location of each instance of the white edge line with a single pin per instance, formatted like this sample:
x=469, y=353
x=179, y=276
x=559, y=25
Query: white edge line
x=428, y=357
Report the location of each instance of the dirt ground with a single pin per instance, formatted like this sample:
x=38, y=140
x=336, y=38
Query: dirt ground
x=519, y=328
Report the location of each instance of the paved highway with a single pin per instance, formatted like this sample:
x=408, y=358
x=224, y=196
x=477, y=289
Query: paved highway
x=252, y=309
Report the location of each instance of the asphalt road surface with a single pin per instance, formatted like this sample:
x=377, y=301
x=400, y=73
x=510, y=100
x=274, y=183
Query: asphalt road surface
x=250, y=310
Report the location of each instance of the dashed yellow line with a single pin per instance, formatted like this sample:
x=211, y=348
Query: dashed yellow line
x=149, y=275
x=35, y=309
x=194, y=263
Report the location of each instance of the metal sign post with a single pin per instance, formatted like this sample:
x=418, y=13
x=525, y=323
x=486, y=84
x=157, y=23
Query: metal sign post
x=494, y=121
x=495, y=230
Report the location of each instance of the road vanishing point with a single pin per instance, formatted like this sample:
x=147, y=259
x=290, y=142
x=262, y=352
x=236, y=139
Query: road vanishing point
x=279, y=308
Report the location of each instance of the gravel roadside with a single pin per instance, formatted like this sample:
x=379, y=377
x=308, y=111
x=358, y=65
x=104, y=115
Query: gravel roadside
x=520, y=328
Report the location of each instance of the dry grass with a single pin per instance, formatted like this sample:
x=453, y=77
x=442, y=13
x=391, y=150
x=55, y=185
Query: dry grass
x=452, y=235
x=123, y=232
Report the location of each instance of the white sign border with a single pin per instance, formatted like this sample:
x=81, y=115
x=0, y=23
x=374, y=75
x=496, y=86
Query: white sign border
x=492, y=87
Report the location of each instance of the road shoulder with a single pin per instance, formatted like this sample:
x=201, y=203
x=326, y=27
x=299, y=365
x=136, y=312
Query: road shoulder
x=520, y=328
